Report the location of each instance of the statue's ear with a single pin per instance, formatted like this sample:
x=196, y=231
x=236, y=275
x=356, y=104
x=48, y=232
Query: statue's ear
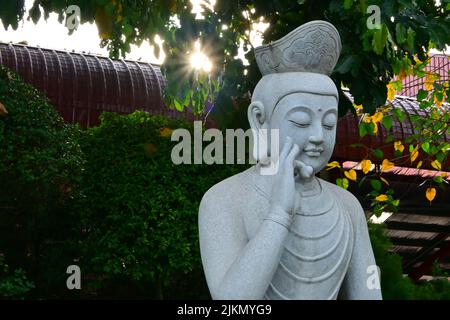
x=256, y=115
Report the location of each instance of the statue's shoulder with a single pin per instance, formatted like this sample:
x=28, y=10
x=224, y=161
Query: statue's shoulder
x=227, y=193
x=347, y=200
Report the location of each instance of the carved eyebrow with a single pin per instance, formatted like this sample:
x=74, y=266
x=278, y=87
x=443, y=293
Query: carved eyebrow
x=297, y=108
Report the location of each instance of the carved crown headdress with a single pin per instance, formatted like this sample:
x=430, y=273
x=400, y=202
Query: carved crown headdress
x=313, y=47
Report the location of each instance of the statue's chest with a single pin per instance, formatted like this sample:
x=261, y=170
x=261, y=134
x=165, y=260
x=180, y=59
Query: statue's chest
x=315, y=257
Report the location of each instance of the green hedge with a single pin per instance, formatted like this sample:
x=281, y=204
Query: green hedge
x=139, y=209
x=40, y=167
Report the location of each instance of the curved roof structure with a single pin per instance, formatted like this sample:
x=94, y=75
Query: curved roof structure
x=81, y=86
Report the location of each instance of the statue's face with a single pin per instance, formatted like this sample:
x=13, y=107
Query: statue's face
x=310, y=120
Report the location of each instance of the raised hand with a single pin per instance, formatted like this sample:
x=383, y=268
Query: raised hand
x=283, y=188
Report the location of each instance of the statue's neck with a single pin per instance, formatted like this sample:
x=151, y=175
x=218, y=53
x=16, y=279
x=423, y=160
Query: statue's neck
x=307, y=187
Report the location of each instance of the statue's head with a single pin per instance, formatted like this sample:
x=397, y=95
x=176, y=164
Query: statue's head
x=296, y=95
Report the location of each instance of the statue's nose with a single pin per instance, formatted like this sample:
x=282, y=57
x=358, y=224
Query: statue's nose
x=317, y=138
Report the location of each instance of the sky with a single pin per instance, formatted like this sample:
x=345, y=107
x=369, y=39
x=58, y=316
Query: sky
x=54, y=35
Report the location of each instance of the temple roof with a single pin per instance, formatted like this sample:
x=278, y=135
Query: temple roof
x=81, y=85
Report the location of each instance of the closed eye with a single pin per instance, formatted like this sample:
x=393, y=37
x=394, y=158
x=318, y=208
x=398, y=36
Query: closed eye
x=328, y=127
x=301, y=125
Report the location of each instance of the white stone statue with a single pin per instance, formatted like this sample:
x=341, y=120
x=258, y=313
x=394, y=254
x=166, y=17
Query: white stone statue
x=289, y=235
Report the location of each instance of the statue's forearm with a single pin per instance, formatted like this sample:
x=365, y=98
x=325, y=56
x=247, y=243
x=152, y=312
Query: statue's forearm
x=251, y=272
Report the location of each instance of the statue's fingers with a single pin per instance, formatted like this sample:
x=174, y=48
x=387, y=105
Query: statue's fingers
x=291, y=156
x=304, y=170
x=299, y=164
x=286, y=149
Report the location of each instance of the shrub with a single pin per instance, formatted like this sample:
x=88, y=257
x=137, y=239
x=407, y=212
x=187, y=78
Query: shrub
x=396, y=285
x=40, y=162
x=139, y=210
x=13, y=285
x=393, y=284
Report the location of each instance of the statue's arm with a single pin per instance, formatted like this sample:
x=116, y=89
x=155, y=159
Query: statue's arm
x=236, y=267
x=362, y=278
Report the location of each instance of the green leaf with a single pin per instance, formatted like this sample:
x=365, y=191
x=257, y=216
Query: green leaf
x=426, y=146
x=441, y=157
x=343, y=183
x=387, y=122
x=400, y=31
x=398, y=85
x=438, y=179
x=127, y=29
x=390, y=138
x=422, y=94
x=399, y=114
x=376, y=184
x=378, y=153
x=439, y=95
x=348, y=4
x=362, y=130
x=444, y=147
x=411, y=34
x=380, y=39
x=178, y=105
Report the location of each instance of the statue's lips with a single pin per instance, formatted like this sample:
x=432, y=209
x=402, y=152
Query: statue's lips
x=313, y=152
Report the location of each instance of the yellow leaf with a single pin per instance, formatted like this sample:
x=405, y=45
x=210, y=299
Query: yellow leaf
x=402, y=75
x=398, y=146
x=386, y=165
x=333, y=164
x=419, y=165
x=3, y=111
x=430, y=79
x=436, y=164
x=384, y=180
x=430, y=194
x=437, y=102
x=382, y=198
x=366, y=166
x=375, y=128
x=351, y=174
x=165, y=132
x=414, y=154
x=416, y=59
x=377, y=117
x=367, y=118
x=391, y=92
x=358, y=107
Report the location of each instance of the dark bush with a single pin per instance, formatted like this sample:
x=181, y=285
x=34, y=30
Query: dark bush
x=40, y=165
x=139, y=211
x=394, y=284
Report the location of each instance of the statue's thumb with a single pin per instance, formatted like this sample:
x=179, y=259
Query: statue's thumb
x=305, y=171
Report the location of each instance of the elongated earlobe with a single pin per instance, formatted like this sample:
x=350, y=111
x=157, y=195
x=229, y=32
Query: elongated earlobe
x=256, y=117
